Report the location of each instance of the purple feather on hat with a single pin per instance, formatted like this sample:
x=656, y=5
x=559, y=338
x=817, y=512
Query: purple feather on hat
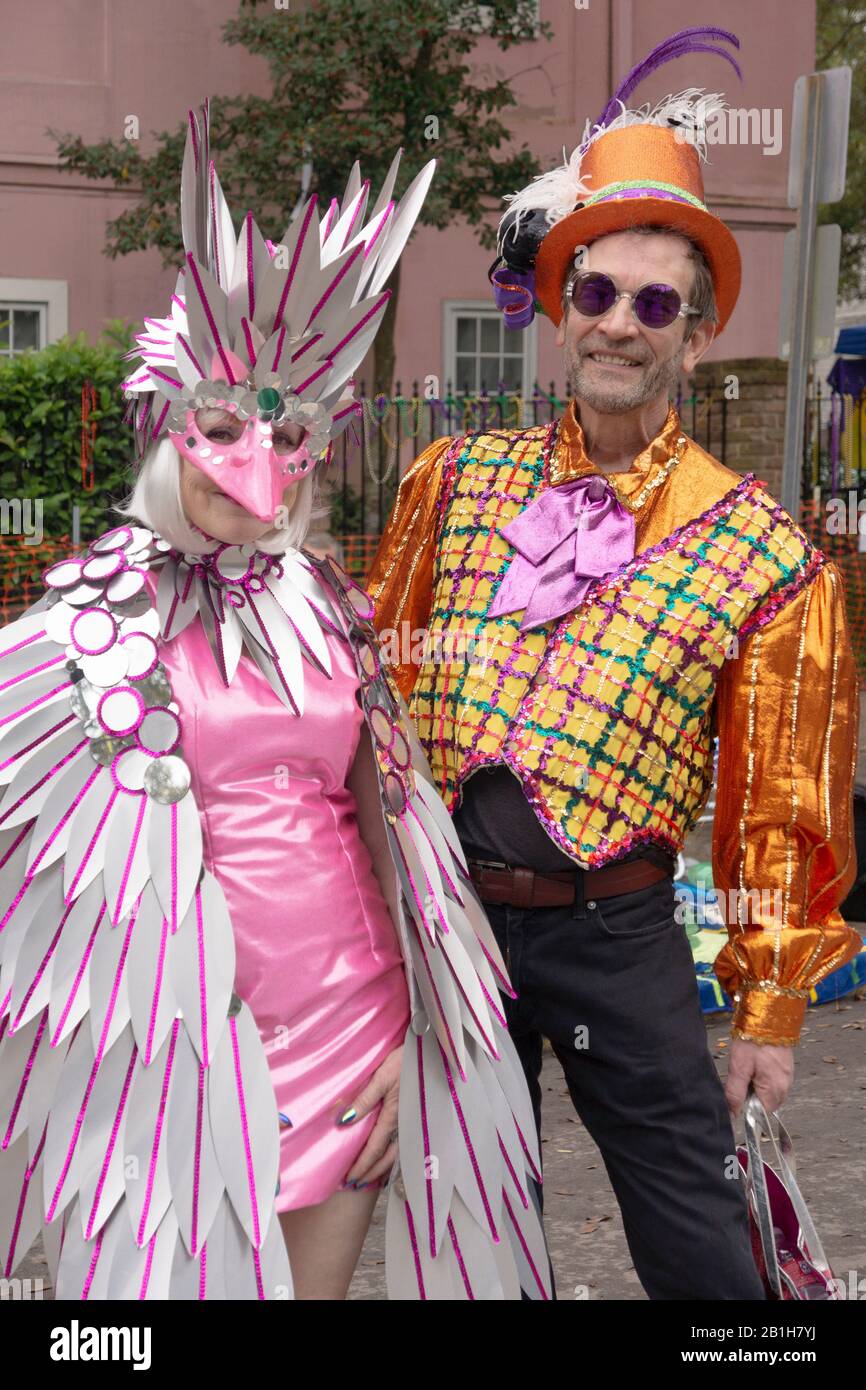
x=684, y=41
x=532, y=209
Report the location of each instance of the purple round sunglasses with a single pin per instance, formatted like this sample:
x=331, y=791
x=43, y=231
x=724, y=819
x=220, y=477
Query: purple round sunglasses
x=654, y=305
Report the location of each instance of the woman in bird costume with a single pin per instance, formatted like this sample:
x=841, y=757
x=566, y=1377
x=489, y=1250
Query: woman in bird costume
x=232, y=906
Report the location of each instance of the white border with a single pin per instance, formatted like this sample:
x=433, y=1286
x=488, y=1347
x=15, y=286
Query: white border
x=54, y=294
x=452, y=307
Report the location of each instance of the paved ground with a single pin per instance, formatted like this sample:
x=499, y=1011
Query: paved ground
x=825, y=1115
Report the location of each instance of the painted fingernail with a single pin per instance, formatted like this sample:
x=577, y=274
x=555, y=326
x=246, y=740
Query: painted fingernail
x=348, y=1117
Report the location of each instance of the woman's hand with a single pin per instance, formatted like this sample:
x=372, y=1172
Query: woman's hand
x=377, y=1157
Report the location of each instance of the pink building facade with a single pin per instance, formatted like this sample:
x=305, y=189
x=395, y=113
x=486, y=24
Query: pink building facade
x=88, y=65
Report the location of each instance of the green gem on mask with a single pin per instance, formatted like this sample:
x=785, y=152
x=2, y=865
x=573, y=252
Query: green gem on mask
x=269, y=403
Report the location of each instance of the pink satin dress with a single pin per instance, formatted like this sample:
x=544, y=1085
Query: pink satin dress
x=318, y=961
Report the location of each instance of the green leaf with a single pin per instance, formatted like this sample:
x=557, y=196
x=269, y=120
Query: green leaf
x=350, y=79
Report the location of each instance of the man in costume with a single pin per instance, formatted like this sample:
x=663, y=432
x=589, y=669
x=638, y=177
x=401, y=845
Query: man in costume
x=628, y=598
x=233, y=910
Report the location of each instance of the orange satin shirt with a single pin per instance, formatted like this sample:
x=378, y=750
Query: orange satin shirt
x=787, y=714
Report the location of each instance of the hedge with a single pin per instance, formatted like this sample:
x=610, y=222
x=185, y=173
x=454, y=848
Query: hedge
x=41, y=428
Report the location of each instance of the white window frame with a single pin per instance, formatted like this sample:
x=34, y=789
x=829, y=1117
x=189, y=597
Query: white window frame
x=452, y=308
x=51, y=297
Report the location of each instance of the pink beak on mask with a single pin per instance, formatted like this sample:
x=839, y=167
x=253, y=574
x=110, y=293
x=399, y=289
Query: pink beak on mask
x=248, y=469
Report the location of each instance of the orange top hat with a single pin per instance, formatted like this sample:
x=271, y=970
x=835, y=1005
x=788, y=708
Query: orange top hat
x=634, y=168
x=645, y=176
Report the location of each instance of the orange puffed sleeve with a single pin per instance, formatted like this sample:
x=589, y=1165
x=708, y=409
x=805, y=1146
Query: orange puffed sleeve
x=787, y=711
x=400, y=581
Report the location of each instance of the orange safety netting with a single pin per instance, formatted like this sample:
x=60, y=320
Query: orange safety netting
x=21, y=566
x=843, y=550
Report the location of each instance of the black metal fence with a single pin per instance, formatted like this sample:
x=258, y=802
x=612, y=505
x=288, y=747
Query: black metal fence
x=374, y=452
x=376, y=449
x=371, y=456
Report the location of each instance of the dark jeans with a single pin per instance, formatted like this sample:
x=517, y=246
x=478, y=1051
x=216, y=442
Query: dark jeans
x=612, y=985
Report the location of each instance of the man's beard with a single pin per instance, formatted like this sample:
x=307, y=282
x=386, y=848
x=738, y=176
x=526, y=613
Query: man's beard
x=650, y=381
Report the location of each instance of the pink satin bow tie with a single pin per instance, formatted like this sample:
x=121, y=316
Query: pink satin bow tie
x=567, y=537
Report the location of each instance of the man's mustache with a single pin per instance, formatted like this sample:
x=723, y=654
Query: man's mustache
x=613, y=350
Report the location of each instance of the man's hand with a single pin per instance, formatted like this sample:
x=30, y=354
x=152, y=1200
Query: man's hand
x=769, y=1069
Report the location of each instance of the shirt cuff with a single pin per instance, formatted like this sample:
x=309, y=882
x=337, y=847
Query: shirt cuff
x=769, y=1013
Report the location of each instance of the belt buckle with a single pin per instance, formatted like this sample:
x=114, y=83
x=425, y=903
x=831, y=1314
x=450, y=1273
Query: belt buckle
x=488, y=863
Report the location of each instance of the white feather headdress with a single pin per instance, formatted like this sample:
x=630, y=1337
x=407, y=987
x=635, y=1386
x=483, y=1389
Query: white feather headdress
x=298, y=316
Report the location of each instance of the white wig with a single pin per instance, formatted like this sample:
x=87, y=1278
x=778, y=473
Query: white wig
x=155, y=502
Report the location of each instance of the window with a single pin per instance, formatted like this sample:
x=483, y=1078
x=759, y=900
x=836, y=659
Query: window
x=22, y=326
x=477, y=15
x=33, y=313
x=481, y=354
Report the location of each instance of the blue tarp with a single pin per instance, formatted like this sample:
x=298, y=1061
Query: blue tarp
x=834, y=986
x=852, y=341
x=714, y=999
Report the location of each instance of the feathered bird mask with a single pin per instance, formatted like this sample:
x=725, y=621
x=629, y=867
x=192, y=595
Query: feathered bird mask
x=270, y=333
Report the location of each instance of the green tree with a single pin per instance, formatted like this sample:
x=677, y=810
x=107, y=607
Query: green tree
x=841, y=39
x=350, y=79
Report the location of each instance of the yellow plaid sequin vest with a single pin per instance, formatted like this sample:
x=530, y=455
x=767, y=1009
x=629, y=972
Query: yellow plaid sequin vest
x=605, y=716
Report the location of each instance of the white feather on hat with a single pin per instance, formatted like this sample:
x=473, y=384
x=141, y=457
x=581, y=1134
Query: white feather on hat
x=557, y=191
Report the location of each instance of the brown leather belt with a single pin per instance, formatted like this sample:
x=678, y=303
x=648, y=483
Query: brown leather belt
x=497, y=883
